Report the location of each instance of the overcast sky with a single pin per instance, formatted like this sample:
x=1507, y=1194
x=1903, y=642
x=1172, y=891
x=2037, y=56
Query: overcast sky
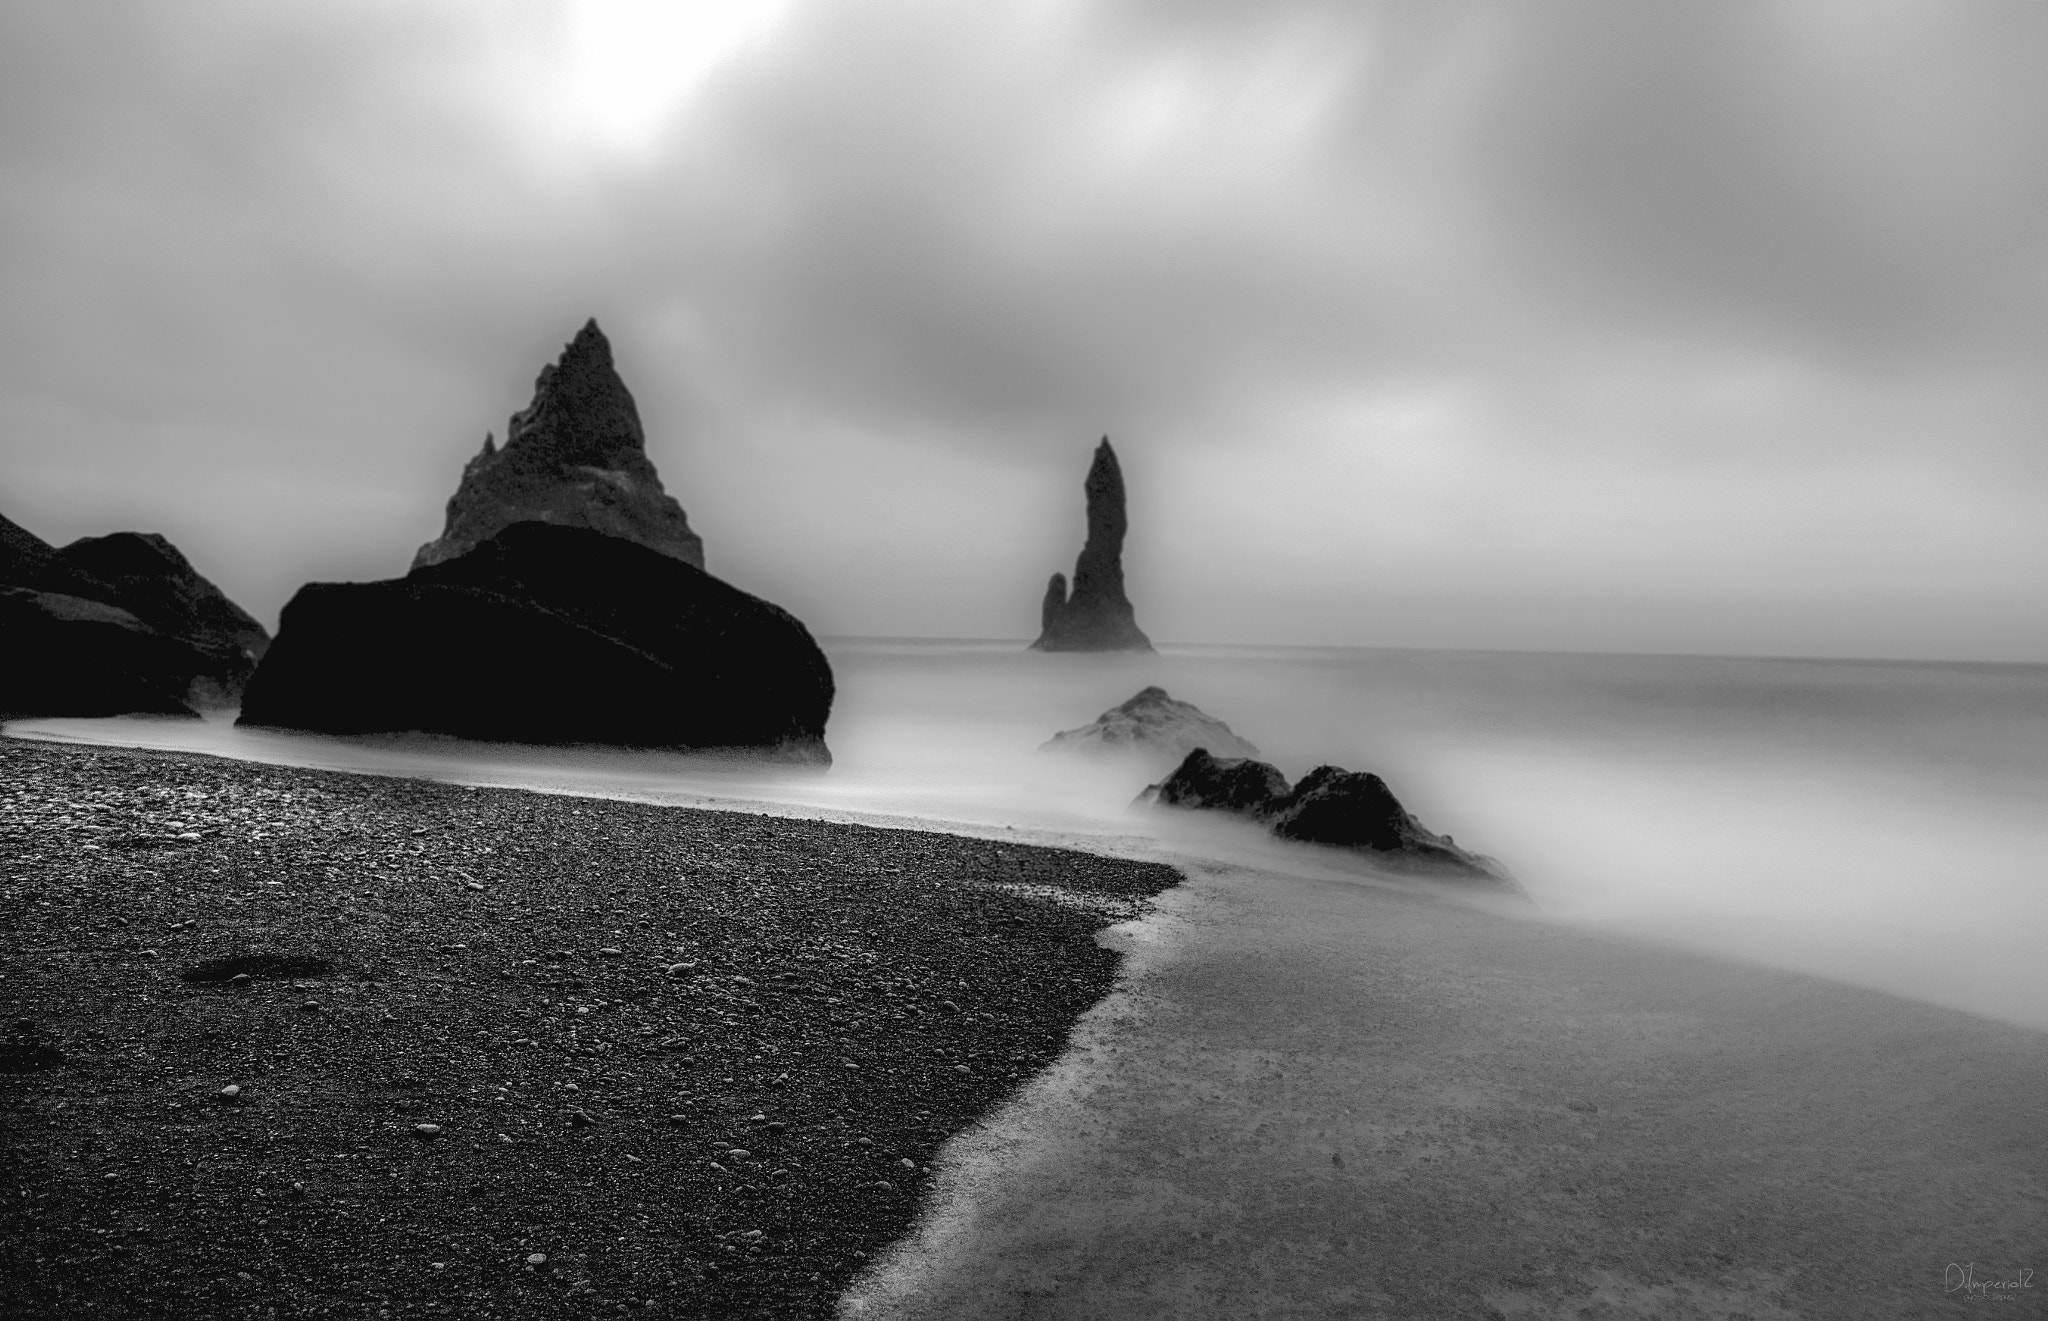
x=1671, y=327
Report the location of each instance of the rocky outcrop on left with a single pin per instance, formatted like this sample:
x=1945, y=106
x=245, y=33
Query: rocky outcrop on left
x=575, y=456
x=553, y=635
x=1333, y=806
x=116, y=625
x=1152, y=724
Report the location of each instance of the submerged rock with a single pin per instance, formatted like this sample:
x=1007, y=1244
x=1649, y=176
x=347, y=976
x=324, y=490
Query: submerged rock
x=1152, y=722
x=116, y=625
x=1345, y=809
x=575, y=456
x=1242, y=785
x=1097, y=616
x=548, y=634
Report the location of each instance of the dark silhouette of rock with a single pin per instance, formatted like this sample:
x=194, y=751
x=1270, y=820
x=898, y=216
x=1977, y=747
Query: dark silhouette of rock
x=1098, y=616
x=116, y=625
x=549, y=634
x=154, y=582
x=576, y=457
x=1220, y=784
x=1345, y=809
x=1152, y=723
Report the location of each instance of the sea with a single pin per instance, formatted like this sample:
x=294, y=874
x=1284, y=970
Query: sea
x=1880, y=823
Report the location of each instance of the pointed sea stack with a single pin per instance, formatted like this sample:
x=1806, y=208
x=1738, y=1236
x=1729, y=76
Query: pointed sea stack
x=1098, y=616
x=576, y=457
x=566, y=603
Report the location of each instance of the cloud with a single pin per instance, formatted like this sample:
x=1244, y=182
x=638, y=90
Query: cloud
x=1390, y=303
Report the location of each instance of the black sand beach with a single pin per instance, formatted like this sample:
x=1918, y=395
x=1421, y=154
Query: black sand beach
x=498, y=1053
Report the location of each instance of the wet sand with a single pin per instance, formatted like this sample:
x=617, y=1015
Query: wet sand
x=1318, y=1098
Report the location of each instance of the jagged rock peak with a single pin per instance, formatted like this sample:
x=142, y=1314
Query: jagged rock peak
x=1152, y=724
x=1097, y=616
x=575, y=456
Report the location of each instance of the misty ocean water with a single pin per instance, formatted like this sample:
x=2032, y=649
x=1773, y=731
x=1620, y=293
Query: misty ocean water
x=1881, y=823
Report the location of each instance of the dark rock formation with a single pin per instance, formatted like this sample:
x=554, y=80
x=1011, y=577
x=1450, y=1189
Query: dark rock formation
x=1346, y=809
x=1221, y=784
x=549, y=634
x=576, y=457
x=1355, y=809
x=1098, y=616
x=1154, y=724
x=116, y=625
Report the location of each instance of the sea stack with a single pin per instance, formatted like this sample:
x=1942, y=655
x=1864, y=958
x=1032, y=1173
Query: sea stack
x=1097, y=616
x=577, y=457
x=565, y=603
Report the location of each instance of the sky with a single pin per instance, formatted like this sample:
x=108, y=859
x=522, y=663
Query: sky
x=1563, y=326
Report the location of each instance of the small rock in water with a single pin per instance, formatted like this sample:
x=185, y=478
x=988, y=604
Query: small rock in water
x=536, y=1258
x=678, y=969
x=241, y=979
x=581, y=1118
x=231, y=1091
x=908, y=1163
x=472, y=885
x=739, y=1153
x=310, y=1004
x=611, y=951
x=145, y=954
x=427, y=1130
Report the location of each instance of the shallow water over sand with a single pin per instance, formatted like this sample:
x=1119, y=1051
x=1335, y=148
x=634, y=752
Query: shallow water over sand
x=1878, y=823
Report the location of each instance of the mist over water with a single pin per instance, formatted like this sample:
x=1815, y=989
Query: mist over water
x=1880, y=823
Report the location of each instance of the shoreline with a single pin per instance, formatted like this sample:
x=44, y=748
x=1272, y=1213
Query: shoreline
x=500, y=965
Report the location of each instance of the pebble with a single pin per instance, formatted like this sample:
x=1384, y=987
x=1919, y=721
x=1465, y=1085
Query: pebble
x=739, y=1153
x=678, y=969
x=611, y=951
x=907, y=1163
x=241, y=979
x=427, y=1130
x=472, y=885
x=581, y=1118
x=536, y=1258
x=678, y=1119
x=231, y=1091
x=145, y=954
x=310, y=1004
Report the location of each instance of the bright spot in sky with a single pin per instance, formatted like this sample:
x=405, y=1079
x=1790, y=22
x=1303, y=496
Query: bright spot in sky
x=630, y=63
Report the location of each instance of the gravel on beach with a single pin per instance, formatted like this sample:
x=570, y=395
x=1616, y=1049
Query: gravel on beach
x=291, y=1043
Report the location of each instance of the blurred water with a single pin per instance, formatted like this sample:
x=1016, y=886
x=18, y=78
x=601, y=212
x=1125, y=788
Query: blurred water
x=1881, y=823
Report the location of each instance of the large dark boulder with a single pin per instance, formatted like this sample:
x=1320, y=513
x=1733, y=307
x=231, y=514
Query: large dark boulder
x=63, y=655
x=1153, y=724
x=1220, y=784
x=1097, y=616
x=549, y=634
x=576, y=456
x=116, y=625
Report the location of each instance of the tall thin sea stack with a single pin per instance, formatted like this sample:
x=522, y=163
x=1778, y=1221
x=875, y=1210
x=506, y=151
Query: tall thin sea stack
x=1097, y=616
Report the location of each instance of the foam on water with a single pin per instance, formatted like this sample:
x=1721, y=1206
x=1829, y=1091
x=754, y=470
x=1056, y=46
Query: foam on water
x=1878, y=823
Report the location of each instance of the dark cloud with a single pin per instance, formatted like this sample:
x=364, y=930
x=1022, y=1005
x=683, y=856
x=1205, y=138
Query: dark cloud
x=1383, y=300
